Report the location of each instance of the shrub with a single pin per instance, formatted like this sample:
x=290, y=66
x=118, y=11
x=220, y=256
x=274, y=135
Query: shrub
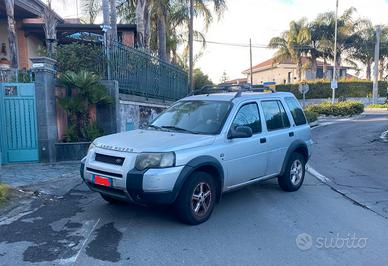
x=4, y=191
x=348, y=108
x=77, y=57
x=311, y=116
x=346, y=89
x=83, y=91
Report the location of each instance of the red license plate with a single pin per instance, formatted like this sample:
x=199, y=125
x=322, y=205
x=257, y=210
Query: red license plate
x=103, y=181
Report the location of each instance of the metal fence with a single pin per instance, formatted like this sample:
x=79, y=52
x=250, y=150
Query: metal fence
x=140, y=73
x=21, y=76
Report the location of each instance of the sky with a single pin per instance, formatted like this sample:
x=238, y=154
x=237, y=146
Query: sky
x=259, y=20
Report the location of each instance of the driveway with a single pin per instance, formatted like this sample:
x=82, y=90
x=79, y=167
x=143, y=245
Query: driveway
x=352, y=159
x=257, y=225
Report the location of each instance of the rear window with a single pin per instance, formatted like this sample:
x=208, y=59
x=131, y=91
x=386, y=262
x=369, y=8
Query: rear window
x=296, y=111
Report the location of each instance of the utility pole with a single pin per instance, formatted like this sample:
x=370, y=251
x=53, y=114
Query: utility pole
x=376, y=66
x=250, y=58
x=334, y=78
x=191, y=42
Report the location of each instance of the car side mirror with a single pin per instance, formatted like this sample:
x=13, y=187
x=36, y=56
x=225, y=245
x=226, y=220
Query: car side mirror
x=240, y=132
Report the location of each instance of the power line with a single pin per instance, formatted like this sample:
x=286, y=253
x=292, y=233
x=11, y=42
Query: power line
x=234, y=44
x=297, y=46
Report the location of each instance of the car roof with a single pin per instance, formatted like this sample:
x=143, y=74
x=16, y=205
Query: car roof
x=230, y=96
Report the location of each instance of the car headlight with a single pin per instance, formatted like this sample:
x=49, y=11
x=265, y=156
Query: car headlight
x=154, y=160
x=91, y=146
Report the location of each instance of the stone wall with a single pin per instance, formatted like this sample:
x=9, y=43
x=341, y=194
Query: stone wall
x=136, y=112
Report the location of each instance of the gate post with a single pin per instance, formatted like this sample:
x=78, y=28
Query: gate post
x=44, y=69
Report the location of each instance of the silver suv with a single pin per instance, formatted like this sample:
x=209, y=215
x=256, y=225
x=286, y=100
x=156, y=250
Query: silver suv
x=201, y=147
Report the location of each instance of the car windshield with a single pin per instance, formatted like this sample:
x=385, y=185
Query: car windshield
x=196, y=117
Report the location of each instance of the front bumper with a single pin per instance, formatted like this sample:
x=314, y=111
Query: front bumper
x=152, y=186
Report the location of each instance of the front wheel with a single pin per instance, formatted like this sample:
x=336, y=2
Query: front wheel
x=196, y=200
x=293, y=176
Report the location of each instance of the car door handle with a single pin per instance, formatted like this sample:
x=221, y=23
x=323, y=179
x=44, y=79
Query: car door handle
x=291, y=134
x=263, y=140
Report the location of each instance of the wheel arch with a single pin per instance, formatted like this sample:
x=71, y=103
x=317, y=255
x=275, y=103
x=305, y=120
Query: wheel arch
x=296, y=146
x=206, y=164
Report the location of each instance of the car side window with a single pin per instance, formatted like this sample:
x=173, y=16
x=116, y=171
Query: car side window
x=296, y=111
x=249, y=116
x=275, y=115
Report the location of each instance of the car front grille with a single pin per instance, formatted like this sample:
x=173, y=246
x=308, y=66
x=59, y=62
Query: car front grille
x=109, y=159
x=103, y=172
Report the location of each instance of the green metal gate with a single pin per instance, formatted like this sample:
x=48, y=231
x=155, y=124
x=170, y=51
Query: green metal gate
x=18, y=127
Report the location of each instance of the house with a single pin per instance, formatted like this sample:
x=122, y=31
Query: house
x=285, y=72
x=30, y=36
x=235, y=81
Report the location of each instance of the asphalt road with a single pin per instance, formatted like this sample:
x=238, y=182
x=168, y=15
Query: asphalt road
x=350, y=156
x=258, y=225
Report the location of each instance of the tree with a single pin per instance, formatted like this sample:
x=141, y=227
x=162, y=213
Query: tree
x=200, y=79
x=113, y=20
x=142, y=22
x=348, y=30
x=10, y=11
x=91, y=8
x=364, y=48
x=292, y=44
x=161, y=9
x=50, y=29
x=88, y=91
x=224, y=77
x=383, y=65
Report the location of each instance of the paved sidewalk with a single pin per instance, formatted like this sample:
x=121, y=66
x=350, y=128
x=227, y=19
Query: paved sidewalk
x=18, y=175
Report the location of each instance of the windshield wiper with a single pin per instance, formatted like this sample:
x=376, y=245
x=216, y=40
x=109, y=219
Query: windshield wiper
x=179, y=129
x=156, y=127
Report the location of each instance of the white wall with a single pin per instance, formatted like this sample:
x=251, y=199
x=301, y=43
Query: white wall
x=33, y=45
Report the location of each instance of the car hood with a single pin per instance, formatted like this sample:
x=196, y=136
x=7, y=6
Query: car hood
x=153, y=141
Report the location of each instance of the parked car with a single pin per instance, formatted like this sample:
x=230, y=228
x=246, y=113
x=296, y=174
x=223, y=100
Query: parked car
x=201, y=147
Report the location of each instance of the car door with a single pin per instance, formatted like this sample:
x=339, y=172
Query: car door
x=279, y=135
x=245, y=158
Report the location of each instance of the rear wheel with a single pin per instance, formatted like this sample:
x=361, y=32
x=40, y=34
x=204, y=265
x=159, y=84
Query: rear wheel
x=110, y=199
x=196, y=200
x=293, y=176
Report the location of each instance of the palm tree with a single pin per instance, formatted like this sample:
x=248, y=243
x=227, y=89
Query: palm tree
x=383, y=52
x=349, y=29
x=10, y=11
x=292, y=44
x=364, y=48
x=50, y=28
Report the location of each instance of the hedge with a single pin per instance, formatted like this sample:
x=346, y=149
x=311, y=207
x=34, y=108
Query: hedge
x=347, y=89
x=347, y=108
x=311, y=116
x=378, y=105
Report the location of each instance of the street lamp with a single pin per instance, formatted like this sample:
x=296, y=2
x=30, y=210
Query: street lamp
x=105, y=28
x=334, y=80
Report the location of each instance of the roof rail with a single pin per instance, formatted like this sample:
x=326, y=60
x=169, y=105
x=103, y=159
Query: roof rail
x=238, y=88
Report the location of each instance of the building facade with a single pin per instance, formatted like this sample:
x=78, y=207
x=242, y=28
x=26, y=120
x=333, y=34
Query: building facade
x=285, y=72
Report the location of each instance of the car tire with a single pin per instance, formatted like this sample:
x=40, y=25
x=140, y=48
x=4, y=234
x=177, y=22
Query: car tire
x=293, y=176
x=111, y=200
x=196, y=199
